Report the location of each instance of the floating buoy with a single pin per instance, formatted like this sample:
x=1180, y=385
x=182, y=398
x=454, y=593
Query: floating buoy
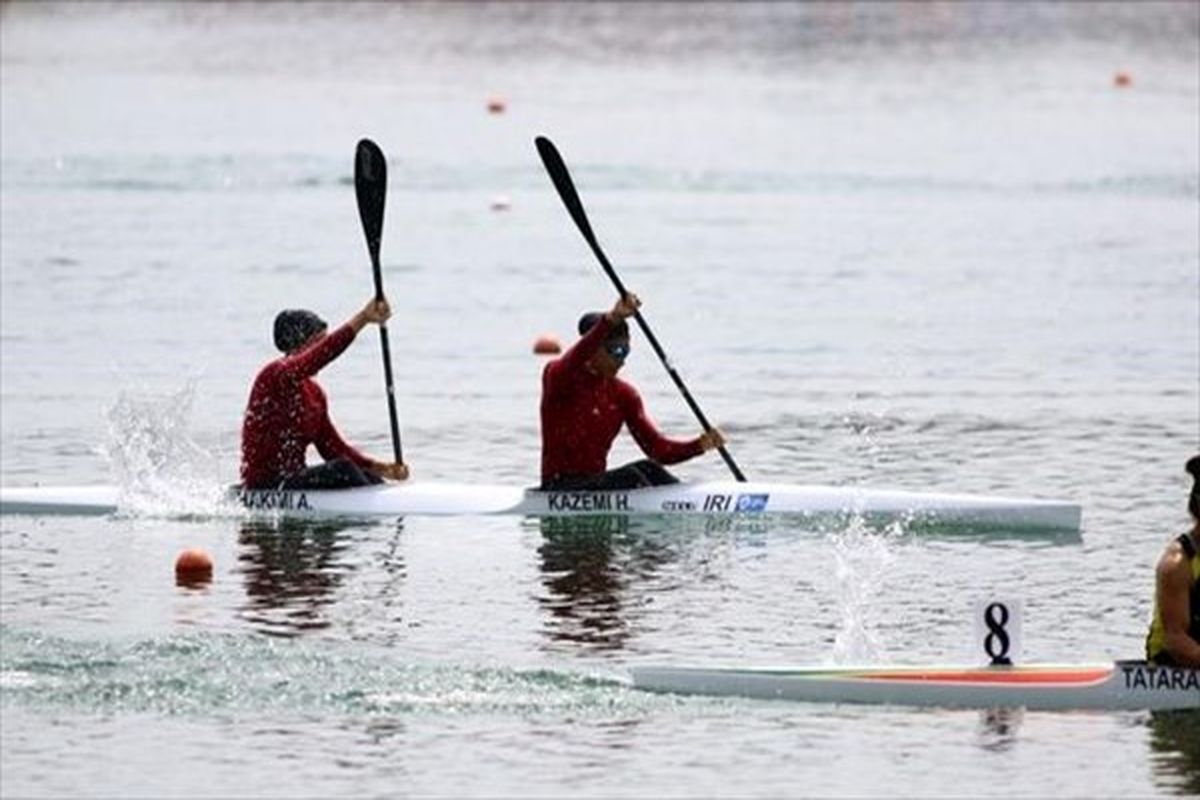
x=193, y=567
x=1122, y=80
x=497, y=105
x=547, y=345
x=501, y=202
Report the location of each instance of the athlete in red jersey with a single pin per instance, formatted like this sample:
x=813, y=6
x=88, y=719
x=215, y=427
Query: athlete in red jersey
x=584, y=405
x=287, y=411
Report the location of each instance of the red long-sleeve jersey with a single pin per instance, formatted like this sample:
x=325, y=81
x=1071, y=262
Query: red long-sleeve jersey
x=582, y=414
x=287, y=412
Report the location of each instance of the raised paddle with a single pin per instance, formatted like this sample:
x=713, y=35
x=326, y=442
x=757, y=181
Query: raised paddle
x=566, y=190
x=370, y=185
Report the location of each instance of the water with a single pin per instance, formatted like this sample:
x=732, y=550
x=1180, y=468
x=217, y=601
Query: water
x=912, y=246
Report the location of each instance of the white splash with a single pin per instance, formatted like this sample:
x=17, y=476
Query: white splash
x=159, y=468
x=863, y=557
x=17, y=679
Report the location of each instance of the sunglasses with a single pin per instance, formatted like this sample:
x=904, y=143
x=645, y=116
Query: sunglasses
x=617, y=350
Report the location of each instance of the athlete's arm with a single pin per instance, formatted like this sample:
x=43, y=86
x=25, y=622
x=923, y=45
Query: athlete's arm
x=560, y=373
x=331, y=445
x=1173, y=580
x=312, y=358
x=662, y=449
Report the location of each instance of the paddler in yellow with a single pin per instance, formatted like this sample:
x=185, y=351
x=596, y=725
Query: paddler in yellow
x=1175, y=632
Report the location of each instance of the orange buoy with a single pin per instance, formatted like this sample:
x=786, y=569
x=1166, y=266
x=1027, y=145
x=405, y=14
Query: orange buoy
x=1122, y=80
x=497, y=105
x=547, y=345
x=193, y=566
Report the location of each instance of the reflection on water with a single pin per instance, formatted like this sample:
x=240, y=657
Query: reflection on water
x=994, y=532
x=293, y=569
x=589, y=565
x=584, y=580
x=1175, y=737
x=598, y=571
x=999, y=728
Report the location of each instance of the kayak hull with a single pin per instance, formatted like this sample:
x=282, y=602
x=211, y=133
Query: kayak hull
x=1123, y=685
x=701, y=498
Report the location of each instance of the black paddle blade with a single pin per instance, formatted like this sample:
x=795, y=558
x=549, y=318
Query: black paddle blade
x=566, y=188
x=370, y=186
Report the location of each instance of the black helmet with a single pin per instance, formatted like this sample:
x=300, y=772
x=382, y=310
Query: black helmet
x=619, y=330
x=294, y=327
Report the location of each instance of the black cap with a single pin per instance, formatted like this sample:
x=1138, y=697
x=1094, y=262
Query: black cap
x=294, y=327
x=619, y=330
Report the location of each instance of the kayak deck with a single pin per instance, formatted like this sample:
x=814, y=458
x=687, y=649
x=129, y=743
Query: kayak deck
x=1123, y=685
x=700, y=498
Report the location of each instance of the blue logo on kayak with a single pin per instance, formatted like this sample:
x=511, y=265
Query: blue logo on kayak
x=752, y=502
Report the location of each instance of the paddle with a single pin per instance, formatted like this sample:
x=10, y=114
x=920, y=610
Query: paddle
x=370, y=185
x=566, y=190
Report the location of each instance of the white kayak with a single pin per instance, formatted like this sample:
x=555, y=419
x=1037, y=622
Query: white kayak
x=1123, y=685
x=701, y=498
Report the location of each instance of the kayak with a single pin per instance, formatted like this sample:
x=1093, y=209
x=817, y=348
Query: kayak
x=1123, y=685
x=699, y=498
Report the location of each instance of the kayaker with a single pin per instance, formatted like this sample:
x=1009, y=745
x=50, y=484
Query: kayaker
x=1174, y=637
x=584, y=405
x=287, y=411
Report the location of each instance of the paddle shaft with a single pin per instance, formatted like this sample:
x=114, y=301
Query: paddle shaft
x=370, y=183
x=666, y=362
x=561, y=178
x=389, y=382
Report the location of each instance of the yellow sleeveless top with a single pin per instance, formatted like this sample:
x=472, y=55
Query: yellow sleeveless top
x=1156, y=640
